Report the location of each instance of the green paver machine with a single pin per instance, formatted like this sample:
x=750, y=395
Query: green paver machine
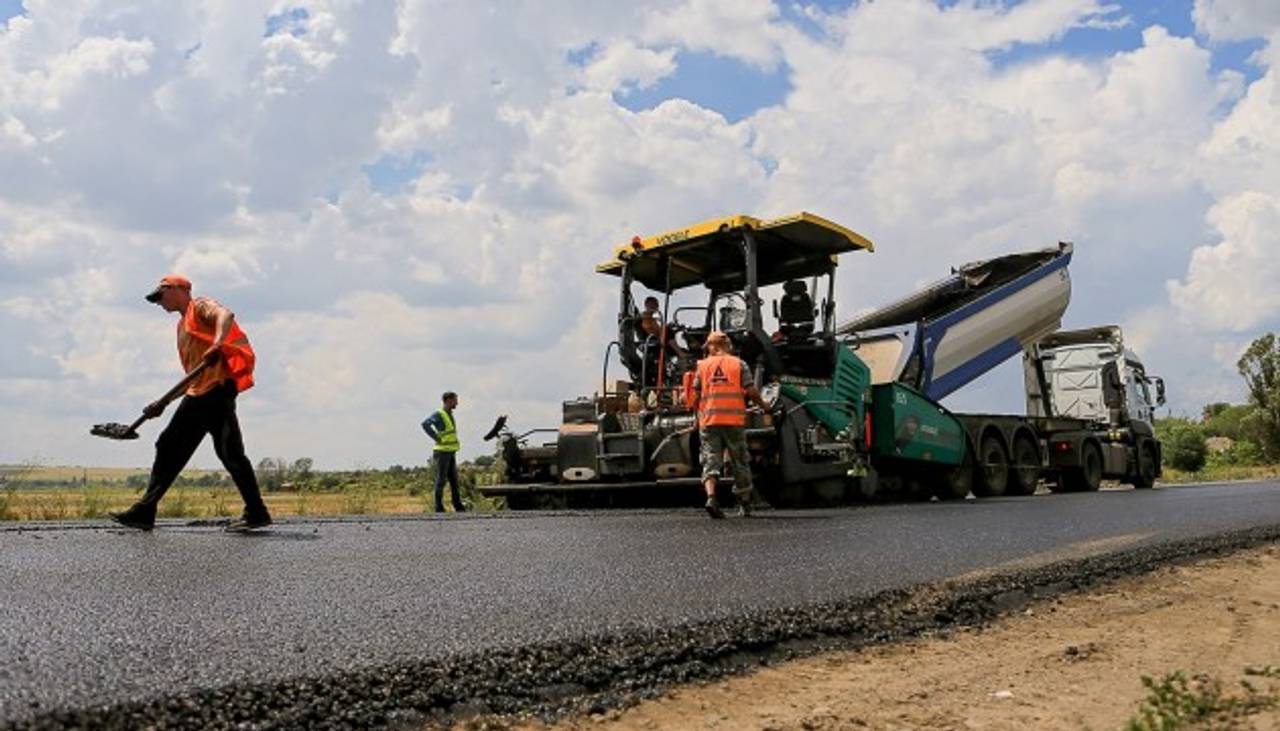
x=635, y=442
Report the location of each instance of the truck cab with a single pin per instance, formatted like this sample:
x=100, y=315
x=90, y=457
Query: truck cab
x=1096, y=404
x=1090, y=375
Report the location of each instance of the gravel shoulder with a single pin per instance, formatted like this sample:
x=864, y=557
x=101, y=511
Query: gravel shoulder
x=1074, y=661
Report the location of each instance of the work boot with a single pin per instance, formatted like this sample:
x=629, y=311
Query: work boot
x=134, y=518
x=713, y=508
x=744, y=504
x=246, y=523
x=459, y=508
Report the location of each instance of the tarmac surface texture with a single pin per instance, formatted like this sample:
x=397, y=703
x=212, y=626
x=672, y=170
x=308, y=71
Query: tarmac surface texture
x=188, y=625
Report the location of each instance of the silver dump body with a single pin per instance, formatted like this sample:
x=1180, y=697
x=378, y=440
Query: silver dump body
x=949, y=333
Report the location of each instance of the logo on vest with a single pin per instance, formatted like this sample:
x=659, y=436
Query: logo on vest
x=718, y=376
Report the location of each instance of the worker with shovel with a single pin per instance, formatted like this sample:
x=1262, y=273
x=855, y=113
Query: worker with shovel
x=219, y=361
x=719, y=392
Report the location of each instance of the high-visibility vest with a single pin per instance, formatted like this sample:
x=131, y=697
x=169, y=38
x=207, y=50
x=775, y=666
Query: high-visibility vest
x=447, y=438
x=722, y=401
x=687, y=385
x=236, y=351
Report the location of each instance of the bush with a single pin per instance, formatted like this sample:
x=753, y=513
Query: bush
x=1228, y=420
x=1184, y=446
x=1239, y=454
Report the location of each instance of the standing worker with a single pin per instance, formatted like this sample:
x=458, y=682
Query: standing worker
x=207, y=333
x=720, y=392
x=441, y=427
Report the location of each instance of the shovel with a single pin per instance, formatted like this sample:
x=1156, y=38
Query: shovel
x=129, y=431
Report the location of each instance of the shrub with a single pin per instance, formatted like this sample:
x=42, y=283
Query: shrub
x=1239, y=454
x=1184, y=446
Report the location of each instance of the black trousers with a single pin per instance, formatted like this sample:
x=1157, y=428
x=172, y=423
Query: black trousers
x=212, y=413
x=447, y=468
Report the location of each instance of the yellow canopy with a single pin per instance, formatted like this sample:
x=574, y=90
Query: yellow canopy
x=709, y=253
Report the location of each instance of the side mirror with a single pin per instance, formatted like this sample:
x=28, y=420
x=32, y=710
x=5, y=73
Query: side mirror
x=1160, y=395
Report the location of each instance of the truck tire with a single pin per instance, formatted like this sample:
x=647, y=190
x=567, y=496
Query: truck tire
x=1088, y=476
x=952, y=483
x=1024, y=468
x=1146, y=474
x=993, y=468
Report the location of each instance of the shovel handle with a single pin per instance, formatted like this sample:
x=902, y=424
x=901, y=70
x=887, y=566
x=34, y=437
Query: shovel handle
x=176, y=391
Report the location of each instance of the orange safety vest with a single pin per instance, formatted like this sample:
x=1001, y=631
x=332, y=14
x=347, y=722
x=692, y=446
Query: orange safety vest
x=236, y=351
x=723, y=401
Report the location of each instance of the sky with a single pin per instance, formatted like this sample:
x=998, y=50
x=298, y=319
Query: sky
x=402, y=198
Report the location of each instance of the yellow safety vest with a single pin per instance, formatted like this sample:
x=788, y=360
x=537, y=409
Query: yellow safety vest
x=447, y=438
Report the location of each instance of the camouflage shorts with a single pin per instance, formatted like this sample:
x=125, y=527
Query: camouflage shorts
x=716, y=440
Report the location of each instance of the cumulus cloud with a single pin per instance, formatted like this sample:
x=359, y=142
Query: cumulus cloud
x=1231, y=286
x=1233, y=20
x=623, y=65
x=236, y=147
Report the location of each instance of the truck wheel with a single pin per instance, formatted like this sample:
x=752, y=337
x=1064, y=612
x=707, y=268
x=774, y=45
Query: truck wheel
x=993, y=474
x=952, y=483
x=1088, y=476
x=1024, y=472
x=1146, y=477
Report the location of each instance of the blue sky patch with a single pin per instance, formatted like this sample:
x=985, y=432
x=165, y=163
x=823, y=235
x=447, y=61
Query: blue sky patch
x=581, y=56
x=10, y=8
x=393, y=174
x=796, y=12
x=292, y=21
x=1097, y=43
x=725, y=85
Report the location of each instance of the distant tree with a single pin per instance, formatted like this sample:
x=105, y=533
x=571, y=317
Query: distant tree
x=1228, y=420
x=485, y=460
x=1260, y=367
x=271, y=473
x=1213, y=410
x=301, y=470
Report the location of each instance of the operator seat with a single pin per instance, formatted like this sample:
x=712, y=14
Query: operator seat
x=795, y=311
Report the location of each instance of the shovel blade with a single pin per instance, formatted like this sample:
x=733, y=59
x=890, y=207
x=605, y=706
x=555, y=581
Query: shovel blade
x=113, y=431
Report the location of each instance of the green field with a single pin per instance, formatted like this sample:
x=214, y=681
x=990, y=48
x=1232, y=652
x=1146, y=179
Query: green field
x=81, y=475
x=73, y=493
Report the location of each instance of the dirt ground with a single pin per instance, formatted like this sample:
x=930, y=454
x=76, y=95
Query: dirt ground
x=1075, y=662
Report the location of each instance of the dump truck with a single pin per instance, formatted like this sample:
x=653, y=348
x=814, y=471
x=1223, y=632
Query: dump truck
x=856, y=405
x=1090, y=402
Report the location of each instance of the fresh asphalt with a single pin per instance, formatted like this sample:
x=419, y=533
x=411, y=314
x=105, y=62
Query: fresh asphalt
x=93, y=615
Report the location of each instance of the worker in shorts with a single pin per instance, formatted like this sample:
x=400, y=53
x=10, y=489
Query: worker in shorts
x=721, y=387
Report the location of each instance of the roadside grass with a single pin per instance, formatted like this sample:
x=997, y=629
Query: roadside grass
x=1200, y=702
x=8, y=502
x=1221, y=473
x=33, y=491
x=96, y=500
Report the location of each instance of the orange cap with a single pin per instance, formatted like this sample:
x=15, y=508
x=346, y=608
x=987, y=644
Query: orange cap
x=169, y=280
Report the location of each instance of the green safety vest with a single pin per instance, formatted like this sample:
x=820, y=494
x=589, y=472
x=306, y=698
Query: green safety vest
x=447, y=440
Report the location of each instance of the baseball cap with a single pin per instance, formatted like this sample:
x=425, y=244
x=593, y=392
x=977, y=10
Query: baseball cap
x=168, y=280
